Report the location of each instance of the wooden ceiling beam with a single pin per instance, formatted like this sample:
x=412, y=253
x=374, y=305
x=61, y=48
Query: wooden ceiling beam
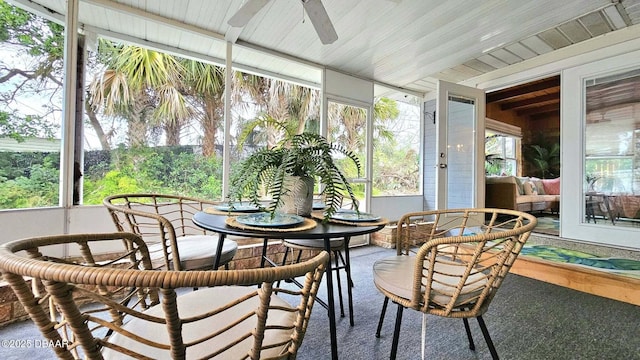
x=539, y=109
x=524, y=89
x=543, y=115
x=547, y=98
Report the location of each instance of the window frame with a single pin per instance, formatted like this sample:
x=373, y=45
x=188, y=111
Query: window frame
x=573, y=159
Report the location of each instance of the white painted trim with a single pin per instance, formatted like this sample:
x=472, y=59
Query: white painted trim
x=69, y=104
x=226, y=142
x=572, y=158
x=38, y=9
x=503, y=128
x=399, y=89
x=442, y=114
x=355, y=89
x=128, y=10
x=393, y=207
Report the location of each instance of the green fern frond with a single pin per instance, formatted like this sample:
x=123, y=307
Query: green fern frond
x=306, y=155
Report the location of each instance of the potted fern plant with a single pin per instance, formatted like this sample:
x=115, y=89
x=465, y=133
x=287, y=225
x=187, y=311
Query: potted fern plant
x=287, y=174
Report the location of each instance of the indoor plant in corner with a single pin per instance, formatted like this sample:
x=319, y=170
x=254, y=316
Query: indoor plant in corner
x=286, y=173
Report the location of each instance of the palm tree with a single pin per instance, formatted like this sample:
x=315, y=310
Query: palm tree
x=143, y=86
x=546, y=159
x=111, y=94
x=544, y=156
x=205, y=84
x=384, y=110
x=349, y=123
x=285, y=108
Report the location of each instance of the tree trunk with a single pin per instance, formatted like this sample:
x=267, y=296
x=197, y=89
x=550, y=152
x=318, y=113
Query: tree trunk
x=213, y=115
x=97, y=127
x=138, y=127
x=172, y=131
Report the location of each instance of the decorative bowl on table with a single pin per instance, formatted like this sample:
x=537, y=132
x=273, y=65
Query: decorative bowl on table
x=352, y=215
x=265, y=219
x=237, y=207
x=319, y=205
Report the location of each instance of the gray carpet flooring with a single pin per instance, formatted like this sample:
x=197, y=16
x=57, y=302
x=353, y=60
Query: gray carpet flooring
x=528, y=319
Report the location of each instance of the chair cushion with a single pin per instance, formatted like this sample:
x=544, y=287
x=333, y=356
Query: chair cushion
x=197, y=251
x=198, y=302
x=336, y=244
x=395, y=275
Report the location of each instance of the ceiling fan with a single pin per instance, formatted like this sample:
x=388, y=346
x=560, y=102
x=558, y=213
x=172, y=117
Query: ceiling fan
x=314, y=8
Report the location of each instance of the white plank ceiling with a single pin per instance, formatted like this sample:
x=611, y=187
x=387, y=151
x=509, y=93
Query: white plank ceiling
x=404, y=43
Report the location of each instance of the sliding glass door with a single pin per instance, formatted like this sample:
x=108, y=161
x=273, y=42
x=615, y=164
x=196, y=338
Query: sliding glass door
x=600, y=181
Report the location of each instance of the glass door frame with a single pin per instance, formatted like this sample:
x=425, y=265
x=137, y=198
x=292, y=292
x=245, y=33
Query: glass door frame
x=572, y=172
x=444, y=90
x=368, y=168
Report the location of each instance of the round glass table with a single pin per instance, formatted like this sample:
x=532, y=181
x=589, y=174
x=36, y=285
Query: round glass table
x=326, y=231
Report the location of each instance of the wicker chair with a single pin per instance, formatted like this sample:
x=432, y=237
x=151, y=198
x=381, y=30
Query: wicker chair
x=450, y=263
x=164, y=222
x=92, y=306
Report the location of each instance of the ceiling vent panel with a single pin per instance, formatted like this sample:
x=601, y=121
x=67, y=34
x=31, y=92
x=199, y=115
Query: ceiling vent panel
x=595, y=23
x=496, y=63
x=479, y=66
x=468, y=71
x=554, y=38
x=632, y=9
x=506, y=56
x=536, y=44
x=574, y=31
x=616, y=20
x=521, y=50
x=452, y=75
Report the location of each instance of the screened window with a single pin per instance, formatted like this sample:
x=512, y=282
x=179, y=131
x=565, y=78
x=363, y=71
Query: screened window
x=501, y=154
x=30, y=110
x=154, y=133
x=396, y=145
x=164, y=132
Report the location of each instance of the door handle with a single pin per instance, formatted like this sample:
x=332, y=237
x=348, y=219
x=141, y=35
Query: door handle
x=442, y=166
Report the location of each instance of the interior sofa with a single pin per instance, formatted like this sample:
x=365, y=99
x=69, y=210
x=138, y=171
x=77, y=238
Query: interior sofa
x=522, y=193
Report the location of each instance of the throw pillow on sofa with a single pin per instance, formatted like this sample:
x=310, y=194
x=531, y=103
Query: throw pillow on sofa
x=539, y=186
x=551, y=186
x=530, y=188
x=520, y=181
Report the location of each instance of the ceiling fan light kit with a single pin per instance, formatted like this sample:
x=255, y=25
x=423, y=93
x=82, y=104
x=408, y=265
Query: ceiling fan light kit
x=314, y=8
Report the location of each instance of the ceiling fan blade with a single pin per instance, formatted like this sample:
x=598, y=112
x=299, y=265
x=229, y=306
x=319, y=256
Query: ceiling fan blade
x=320, y=20
x=246, y=12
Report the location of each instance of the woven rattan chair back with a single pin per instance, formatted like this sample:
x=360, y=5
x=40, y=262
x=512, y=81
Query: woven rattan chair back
x=161, y=220
x=91, y=305
x=455, y=261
